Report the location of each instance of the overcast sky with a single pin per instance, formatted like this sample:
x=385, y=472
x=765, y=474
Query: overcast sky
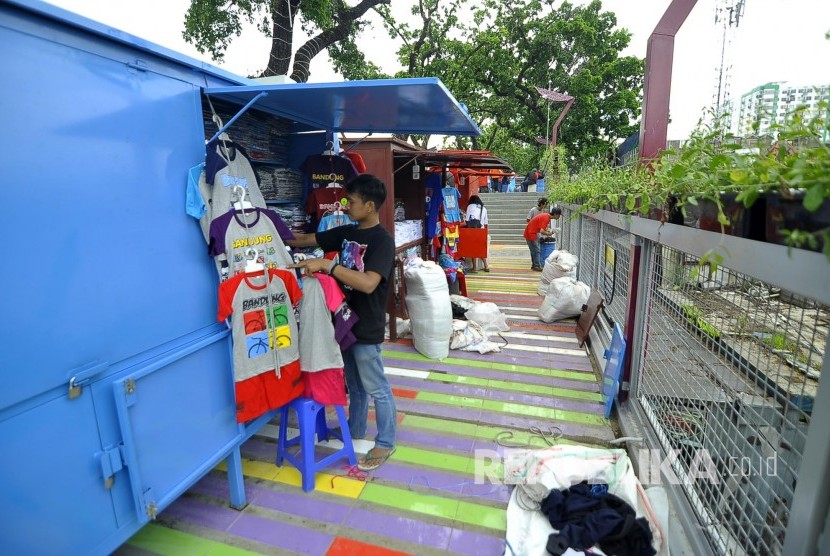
x=777, y=40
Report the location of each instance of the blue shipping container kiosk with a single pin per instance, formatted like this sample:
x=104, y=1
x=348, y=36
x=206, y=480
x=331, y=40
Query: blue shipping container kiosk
x=118, y=390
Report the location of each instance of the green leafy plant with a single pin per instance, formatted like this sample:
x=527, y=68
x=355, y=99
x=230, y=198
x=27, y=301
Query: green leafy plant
x=713, y=165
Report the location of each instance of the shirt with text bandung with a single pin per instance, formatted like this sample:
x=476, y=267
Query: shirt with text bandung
x=235, y=235
x=262, y=318
x=370, y=249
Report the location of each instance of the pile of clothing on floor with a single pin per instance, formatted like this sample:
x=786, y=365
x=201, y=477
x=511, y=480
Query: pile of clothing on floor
x=574, y=499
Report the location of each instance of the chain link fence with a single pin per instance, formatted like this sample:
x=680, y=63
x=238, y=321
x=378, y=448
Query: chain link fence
x=728, y=375
x=726, y=368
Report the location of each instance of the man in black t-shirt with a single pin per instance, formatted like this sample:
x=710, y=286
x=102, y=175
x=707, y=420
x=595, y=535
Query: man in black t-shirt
x=364, y=270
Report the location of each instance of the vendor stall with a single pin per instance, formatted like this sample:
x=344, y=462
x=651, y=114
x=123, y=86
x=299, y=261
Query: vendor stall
x=120, y=391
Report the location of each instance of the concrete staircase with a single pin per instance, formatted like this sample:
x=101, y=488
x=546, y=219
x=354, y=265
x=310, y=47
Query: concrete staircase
x=507, y=213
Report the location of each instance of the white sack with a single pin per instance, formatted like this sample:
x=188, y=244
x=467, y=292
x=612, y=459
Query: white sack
x=488, y=316
x=430, y=312
x=564, y=299
x=559, y=264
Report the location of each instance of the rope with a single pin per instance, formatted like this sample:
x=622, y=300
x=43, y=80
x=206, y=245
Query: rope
x=461, y=485
x=352, y=472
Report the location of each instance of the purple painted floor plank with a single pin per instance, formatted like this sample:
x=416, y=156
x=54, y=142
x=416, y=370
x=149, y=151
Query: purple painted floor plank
x=303, y=505
x=475, y=544
x=202, y=514
x=436, y=480
x=282, y=535
x=404, y=528
x=500, y=395
x=584, y=385
x=218, y=488
x=434, y=410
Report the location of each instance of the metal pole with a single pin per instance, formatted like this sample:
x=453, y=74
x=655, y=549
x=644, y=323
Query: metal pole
x=547, y=125
x=657, y=84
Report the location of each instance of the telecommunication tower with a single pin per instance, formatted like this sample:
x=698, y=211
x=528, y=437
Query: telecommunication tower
x=728, y=15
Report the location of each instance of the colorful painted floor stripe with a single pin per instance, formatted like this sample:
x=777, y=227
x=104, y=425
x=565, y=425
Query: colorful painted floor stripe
x=541, y=389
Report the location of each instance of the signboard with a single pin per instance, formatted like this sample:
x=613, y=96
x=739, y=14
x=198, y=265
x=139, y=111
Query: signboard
x=609, y=273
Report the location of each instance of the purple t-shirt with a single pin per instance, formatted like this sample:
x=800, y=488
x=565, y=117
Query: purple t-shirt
x=262, y=230
x=283, y=230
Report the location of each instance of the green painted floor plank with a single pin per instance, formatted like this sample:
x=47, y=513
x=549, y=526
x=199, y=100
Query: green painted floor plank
x=410, y=501
x=169, y=542
x=554, y=373
x=474, y=514
x=513, y=408
x=431, y=458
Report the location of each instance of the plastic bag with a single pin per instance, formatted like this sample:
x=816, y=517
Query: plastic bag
x=564, y=299
x=488, y=316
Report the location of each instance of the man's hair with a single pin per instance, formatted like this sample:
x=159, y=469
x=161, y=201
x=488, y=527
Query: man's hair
x=541, y=202
x=554, y=211
x=368, y=188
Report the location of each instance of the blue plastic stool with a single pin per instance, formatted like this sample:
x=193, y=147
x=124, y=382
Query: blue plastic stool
x=311, y=417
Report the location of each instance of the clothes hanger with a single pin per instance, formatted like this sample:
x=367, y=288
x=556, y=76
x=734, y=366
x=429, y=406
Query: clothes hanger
x=329, y=149
x=333, y=183
x=241, y=204
x=251, y=264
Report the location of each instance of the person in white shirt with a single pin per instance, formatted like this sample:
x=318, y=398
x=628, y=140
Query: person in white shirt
x=476, y=217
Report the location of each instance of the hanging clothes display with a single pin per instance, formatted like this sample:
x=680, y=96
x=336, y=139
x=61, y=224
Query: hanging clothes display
x=452, y=211
x=325, y=200
x=433, y=204
x=321, y=361
x=330, y=221
x=319, y=170
x=357, y=161
x=226, y=166
x=240, y=231
x=265, y=339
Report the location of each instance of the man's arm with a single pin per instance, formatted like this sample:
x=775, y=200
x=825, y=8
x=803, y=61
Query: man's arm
x=303, y=240
x=365, y=282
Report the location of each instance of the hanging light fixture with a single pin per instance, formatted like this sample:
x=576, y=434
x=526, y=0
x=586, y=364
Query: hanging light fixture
x=416, y=171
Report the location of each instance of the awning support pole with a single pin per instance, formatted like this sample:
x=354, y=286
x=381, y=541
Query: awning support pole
x=359, y=141
x=238, y=114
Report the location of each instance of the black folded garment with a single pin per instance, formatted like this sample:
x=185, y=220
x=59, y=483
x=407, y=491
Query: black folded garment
x=585, y=516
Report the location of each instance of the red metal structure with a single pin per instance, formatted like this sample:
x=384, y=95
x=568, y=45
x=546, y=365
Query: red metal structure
x=553, y=96
x=657, y=86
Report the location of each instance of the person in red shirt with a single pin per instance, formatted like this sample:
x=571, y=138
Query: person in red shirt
x=540, y=225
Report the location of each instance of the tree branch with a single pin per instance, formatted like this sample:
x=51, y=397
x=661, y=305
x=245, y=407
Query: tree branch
x=346, y=19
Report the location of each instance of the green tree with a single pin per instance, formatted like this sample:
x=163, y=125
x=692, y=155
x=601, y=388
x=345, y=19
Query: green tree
x=574, y=48
x=210, y=25
x=491, y=54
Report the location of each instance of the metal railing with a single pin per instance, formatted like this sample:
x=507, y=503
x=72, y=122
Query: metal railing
x=725, y=373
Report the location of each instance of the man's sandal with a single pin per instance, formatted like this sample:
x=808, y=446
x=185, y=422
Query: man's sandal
x=373, y=459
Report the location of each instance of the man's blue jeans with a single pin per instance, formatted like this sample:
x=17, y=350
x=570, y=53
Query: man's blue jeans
x=363, y=367
x=533, y=245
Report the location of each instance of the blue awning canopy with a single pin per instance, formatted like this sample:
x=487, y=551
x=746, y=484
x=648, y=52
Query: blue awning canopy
x=420, y=105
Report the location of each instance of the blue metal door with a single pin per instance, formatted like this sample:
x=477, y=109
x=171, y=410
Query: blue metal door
x=177, y=419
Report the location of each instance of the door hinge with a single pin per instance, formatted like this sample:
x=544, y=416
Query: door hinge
x=112, y=461
x=129, y=386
